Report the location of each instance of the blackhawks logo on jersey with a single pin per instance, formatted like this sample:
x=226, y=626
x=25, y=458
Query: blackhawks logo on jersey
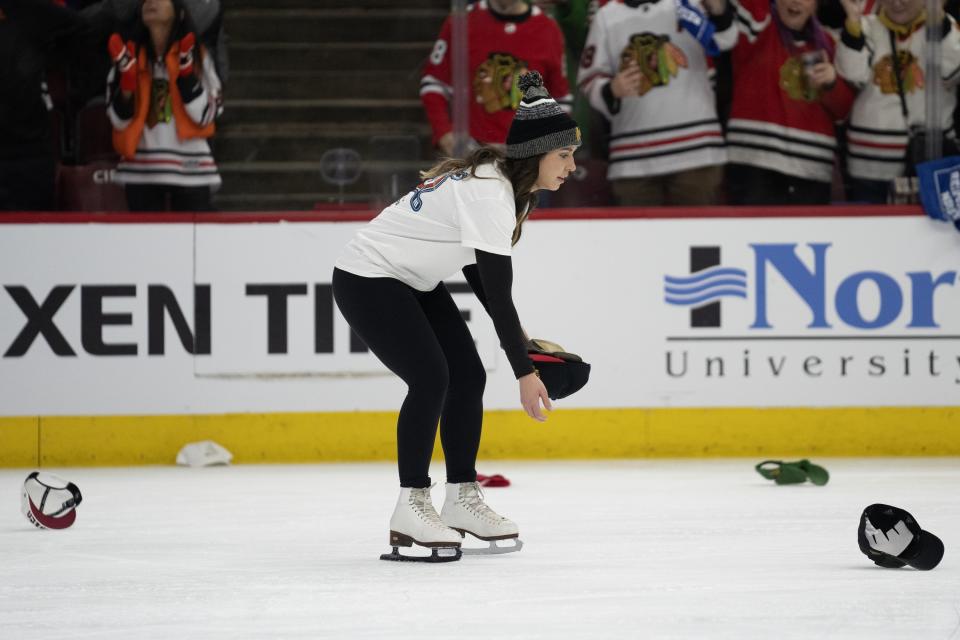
x=495, y=82
x=161, y=108
x=793, y=81
x=658, y=59
x=910, y=72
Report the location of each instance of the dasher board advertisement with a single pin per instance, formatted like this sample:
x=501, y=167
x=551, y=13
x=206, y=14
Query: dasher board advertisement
x=217, y=318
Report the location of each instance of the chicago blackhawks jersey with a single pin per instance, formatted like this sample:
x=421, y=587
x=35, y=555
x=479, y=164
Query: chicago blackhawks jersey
x=777, y=121
x=501, y=48
x=672, y=125
x=877, y=134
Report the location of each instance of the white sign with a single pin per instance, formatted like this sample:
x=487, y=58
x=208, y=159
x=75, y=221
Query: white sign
x=100, y=319
x=758, y=312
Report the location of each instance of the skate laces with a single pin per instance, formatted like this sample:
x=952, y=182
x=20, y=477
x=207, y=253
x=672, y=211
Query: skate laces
x=423, y=504
x=472, y=496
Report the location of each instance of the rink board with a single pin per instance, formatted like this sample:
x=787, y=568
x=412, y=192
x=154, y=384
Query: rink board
x=829, y=331
x=568, y=434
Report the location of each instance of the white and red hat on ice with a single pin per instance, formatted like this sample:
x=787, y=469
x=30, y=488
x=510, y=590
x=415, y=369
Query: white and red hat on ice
x=48, y=501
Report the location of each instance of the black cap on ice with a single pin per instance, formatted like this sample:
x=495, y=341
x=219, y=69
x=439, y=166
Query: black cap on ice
x=892, y=538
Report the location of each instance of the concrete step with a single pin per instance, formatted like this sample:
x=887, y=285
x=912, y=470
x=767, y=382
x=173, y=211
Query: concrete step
x=308, y=142
x=334, y=25
x=335, y=110
x=307, y=84
x=309, y=76
x=293, y=56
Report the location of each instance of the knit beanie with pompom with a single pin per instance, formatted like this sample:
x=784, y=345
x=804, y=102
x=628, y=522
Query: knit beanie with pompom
x=540, y=125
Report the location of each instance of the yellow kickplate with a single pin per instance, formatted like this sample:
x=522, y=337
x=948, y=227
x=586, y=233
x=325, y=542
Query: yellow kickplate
x=567, y=434
x=19, y=442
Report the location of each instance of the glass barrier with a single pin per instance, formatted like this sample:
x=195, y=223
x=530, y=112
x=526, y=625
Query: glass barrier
x=340, y=104
x=738, y=102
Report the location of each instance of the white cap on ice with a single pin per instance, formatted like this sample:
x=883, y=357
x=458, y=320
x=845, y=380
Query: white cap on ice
x=49, y=501
x=206, y=453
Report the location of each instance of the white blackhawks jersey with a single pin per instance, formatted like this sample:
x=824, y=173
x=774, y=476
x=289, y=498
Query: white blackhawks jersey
x=162, y=157
x=877, y=133
x=432, y=232
x=672, y=126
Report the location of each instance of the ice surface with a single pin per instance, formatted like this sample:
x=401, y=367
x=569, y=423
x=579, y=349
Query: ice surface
x=613, y=549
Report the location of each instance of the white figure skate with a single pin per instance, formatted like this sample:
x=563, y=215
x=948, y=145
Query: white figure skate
x=415, y=521
x=465, y=511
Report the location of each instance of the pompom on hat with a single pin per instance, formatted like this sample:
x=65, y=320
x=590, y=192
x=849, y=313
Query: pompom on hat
x=540, y=125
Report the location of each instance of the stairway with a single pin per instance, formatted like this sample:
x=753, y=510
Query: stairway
x=309, y=76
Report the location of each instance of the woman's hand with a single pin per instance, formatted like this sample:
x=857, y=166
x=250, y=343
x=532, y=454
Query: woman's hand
x=822, y=75
x=186, y=46
x=124, y=59
x=627, y=81
x=532, y=392
x=446, y=144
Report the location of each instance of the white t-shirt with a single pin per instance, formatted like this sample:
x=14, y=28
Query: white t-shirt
x=431, y=233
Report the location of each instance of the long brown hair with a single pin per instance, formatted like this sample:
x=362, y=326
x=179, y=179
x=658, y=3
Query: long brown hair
x=522, y=175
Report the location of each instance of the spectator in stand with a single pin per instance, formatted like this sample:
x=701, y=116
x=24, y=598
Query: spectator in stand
x=574, y=18
x=507, y=38
x=207, y=17
x=29, y=29
x=781, y=139
x=882, y=55
x=163, y=95
x=645, y=69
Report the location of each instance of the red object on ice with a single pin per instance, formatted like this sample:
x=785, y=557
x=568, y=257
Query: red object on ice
x=495, y=480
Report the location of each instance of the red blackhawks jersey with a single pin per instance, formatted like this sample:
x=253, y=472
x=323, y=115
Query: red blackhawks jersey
x=501, y=48
x=777, y=122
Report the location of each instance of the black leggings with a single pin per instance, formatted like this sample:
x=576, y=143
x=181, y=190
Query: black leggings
x=422, y=338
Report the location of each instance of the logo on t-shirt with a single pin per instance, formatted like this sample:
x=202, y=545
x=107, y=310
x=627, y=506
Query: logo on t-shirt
x=428, y=186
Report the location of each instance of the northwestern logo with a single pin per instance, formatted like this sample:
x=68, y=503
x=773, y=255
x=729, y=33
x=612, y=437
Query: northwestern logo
x=911, y=295
x=703, y=289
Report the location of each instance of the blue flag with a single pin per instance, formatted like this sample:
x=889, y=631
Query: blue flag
x=940, y=188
